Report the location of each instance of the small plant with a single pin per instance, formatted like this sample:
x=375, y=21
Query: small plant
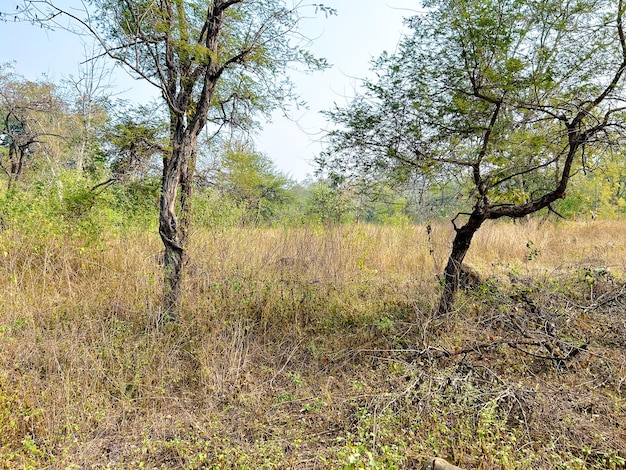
x=315, y=405
x=533, y=253
x=357, y=384
x=296, y=378
x=285, y=397
x=385, y=324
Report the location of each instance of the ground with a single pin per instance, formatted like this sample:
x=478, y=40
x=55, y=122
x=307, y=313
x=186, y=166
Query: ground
x=315, y=348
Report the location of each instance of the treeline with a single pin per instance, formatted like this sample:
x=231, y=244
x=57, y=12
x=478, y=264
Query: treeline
x=70, y=153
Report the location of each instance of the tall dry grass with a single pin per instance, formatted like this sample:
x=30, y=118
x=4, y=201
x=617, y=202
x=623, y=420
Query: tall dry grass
x=562, y=245
x=276, y=325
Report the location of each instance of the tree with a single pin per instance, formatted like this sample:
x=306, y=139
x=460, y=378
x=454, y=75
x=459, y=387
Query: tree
x=213, y=61
x=329, y=203
x=250, y=178
x=89, y=93
x=28, y=111
x=136, y=140
x=509, y=97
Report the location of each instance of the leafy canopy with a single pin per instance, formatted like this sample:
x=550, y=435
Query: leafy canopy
x=491, y=93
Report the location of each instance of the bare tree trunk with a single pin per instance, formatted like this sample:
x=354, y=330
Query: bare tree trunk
x=176, y=170
x=186, y=188
x=460, y=247
x=168, y=229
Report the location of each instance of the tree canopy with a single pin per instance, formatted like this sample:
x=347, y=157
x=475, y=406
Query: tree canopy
x=510, y=97
x=213, y=61
x=28, y=111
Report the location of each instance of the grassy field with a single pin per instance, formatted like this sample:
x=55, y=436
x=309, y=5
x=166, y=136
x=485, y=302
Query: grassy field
x=315, y=348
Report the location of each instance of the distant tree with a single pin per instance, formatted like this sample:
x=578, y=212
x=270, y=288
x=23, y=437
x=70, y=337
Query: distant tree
x=393, y=200
x=329, y=203
x=599, y=192
x=135, y=142
x=509, y=97
x=28, y=111
x=89, y=95
x=213, y=61
x=250, y=178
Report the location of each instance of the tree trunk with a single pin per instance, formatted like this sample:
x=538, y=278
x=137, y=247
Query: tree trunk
x=460, y=246
x=186, y=191
x=16, y=158
x=173, y=234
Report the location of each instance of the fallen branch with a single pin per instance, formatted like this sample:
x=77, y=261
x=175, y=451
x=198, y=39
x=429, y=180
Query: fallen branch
x=517, y=345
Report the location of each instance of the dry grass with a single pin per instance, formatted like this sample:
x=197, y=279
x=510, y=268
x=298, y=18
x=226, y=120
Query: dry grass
x=563, y=246
x=315, y=348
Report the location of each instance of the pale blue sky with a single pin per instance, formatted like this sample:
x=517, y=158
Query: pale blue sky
x=361, y=31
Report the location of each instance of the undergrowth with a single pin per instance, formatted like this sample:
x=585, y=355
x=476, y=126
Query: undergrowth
x=313, y=347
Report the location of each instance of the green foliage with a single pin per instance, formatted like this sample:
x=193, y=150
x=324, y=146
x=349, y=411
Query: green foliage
x=601, y=193
x=135, y=143
x=251, y=181
x=211, y=209
x=16, y=417
x=138, y=201
x=482, y=95
x=328, y=205
x=533, y=253
x=75, y=206
x=90, y=211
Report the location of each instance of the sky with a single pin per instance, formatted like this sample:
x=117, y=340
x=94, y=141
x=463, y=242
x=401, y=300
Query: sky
x=360, y=32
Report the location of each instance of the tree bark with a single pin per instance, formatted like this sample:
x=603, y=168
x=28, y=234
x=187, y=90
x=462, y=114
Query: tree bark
x=16, y=162
x=460, y=247
x=176, y=169
x=186, y=188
